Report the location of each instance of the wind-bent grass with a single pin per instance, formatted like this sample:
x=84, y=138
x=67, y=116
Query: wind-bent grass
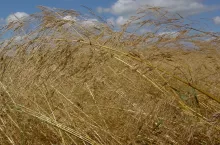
x=68, y=83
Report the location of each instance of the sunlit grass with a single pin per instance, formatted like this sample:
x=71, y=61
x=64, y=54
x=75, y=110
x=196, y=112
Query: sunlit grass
x=68, y=83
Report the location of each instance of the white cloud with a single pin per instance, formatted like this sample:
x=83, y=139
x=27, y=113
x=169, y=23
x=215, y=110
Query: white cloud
x=184, y=7
x=122, y=7
x=90, y=22
x=171, y=34
x=121, y=20
x=83, y=22
x=70, y=18
x=16, y=17
x=111, y=21
x=19, y=38
x=217, y=20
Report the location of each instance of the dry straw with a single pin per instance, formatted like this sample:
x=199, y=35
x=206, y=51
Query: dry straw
x=64, y=82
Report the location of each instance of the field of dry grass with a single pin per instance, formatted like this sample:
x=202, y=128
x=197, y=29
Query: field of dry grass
x=65, y=83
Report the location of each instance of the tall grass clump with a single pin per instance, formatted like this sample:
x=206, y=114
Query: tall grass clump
x=67, y=80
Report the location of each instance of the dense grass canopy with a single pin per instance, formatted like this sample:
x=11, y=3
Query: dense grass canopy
x=69, y=78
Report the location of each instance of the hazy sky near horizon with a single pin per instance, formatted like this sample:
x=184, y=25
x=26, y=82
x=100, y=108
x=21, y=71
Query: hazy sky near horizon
x=118, y=11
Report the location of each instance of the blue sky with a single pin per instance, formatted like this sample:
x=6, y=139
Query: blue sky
x=118, y=11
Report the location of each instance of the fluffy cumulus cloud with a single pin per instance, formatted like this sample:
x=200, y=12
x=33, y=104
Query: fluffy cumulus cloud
x=111, y=21
x=185, y=7
x=83, y=22
x=121, y=20
x=171, y=34
x=90, y=22
x=217, y=20
x=124, y=8
x=16, y=17
x=69, y=18
x=19, y=38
